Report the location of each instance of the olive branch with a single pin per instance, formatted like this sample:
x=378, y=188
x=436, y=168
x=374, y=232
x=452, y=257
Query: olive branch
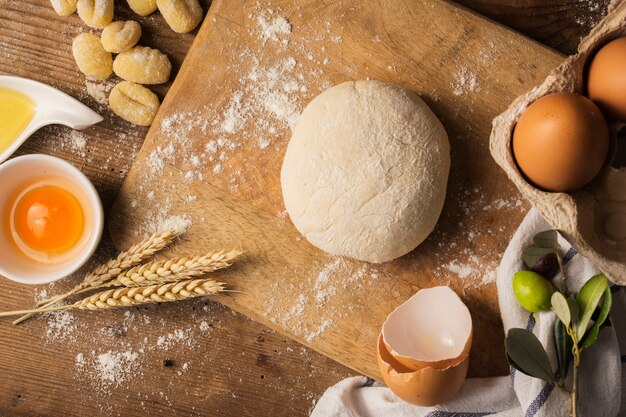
x=579, y=318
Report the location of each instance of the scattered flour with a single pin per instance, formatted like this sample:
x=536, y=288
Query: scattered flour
x=78, y=140
x=115, y=367
x=263, y=143
x=271, y=26
x=465, y=82
x=312, y=335
x=178, y=336
x=60, y=325
x=158, y=157
x=323, y=291
x=99, y=90
x=179, y=223
x=462, y=270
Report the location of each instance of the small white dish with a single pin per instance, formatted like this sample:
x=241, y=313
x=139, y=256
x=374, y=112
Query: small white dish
x=15, y=175
x=52, y=107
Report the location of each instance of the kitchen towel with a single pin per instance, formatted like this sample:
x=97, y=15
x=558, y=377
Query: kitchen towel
x=600, y=384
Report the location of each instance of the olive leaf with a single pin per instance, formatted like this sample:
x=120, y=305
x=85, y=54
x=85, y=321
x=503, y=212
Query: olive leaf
x=561, y=308
x=573, y=309
x=526, y=354
x=592, y=336
x=563, y=344
x=547, y=239
x=588, y=299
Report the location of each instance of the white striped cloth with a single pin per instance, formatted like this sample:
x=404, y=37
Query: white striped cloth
x=600, y=383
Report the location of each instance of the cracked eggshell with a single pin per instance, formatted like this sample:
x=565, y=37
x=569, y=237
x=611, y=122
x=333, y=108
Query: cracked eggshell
x=592, y=219
x=425, y=387
x=433, y=329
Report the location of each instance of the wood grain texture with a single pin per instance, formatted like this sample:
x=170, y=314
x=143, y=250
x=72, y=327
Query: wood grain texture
x=556, y=23
x=245, y=368
x=456, y=66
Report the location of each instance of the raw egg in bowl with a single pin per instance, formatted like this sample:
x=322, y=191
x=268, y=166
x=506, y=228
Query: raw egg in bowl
x=51, y=219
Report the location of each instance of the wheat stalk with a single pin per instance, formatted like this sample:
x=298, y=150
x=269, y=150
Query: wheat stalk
x=127, y=297
x=108, y=271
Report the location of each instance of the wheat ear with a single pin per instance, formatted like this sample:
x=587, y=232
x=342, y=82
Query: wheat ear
x=163, y=272
x=127, y=297
x=106, y=272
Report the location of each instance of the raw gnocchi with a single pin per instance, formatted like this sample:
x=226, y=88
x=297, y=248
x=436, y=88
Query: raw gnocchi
x=142, y=7
x=120, y=36
x=181, y=15
x=91, y=58
x=134, y=103
x=64, y=7
x=143, y=65
x=96, y=13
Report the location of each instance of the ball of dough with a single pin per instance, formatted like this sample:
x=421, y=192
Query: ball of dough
x=366, y=170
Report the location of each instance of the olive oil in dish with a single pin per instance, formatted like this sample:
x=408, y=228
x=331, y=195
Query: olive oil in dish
x=16, y=112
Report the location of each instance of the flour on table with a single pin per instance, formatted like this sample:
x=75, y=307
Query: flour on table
x=99, y=90
x=179, y=223
x=332, y=279
x=178, y=336
x=235, y=115
x=60, y=325
x=263, y=104
x=465, y=82
x=322, y=327
x=322, y=289
x=461, y=270
x=115, y=367
x=271, y=26
x=263, y=143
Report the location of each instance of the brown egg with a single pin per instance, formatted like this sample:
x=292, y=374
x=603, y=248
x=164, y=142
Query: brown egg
x=606, y=80
x=423, y=347
x=561, y=142
x=425, y=387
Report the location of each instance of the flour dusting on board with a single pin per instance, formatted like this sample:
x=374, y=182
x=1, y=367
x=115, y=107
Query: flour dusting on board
x=465, y=82
x=264, y=105
x=338, y=279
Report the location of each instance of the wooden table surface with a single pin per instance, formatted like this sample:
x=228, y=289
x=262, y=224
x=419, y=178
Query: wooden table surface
x=249, y=369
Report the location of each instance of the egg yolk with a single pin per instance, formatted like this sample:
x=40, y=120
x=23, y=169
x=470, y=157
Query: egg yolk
x=48, y=219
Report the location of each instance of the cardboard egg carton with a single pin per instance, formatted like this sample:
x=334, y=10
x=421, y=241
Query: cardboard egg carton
x=593, y=219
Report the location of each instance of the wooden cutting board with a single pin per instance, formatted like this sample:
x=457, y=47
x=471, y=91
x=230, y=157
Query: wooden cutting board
x=212, y=159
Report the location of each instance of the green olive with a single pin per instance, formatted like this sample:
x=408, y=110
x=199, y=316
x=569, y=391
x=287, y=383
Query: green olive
x=532, y=291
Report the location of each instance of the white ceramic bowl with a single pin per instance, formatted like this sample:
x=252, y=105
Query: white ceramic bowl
x=22, y=170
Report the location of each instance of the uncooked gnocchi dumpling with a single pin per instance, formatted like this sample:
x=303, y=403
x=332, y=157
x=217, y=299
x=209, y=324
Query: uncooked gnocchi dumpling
x=96, y=13
x=181, y=15
x=91, y=58
x=143, y=65
x=64, y=7
x=134, y=103
x=142, y=7
x=120, y=36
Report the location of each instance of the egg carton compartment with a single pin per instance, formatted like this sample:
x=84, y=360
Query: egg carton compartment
x=593, y=218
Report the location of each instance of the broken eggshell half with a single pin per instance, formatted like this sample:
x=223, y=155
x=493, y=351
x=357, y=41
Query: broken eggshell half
x=423, y=348
x=432, y=328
